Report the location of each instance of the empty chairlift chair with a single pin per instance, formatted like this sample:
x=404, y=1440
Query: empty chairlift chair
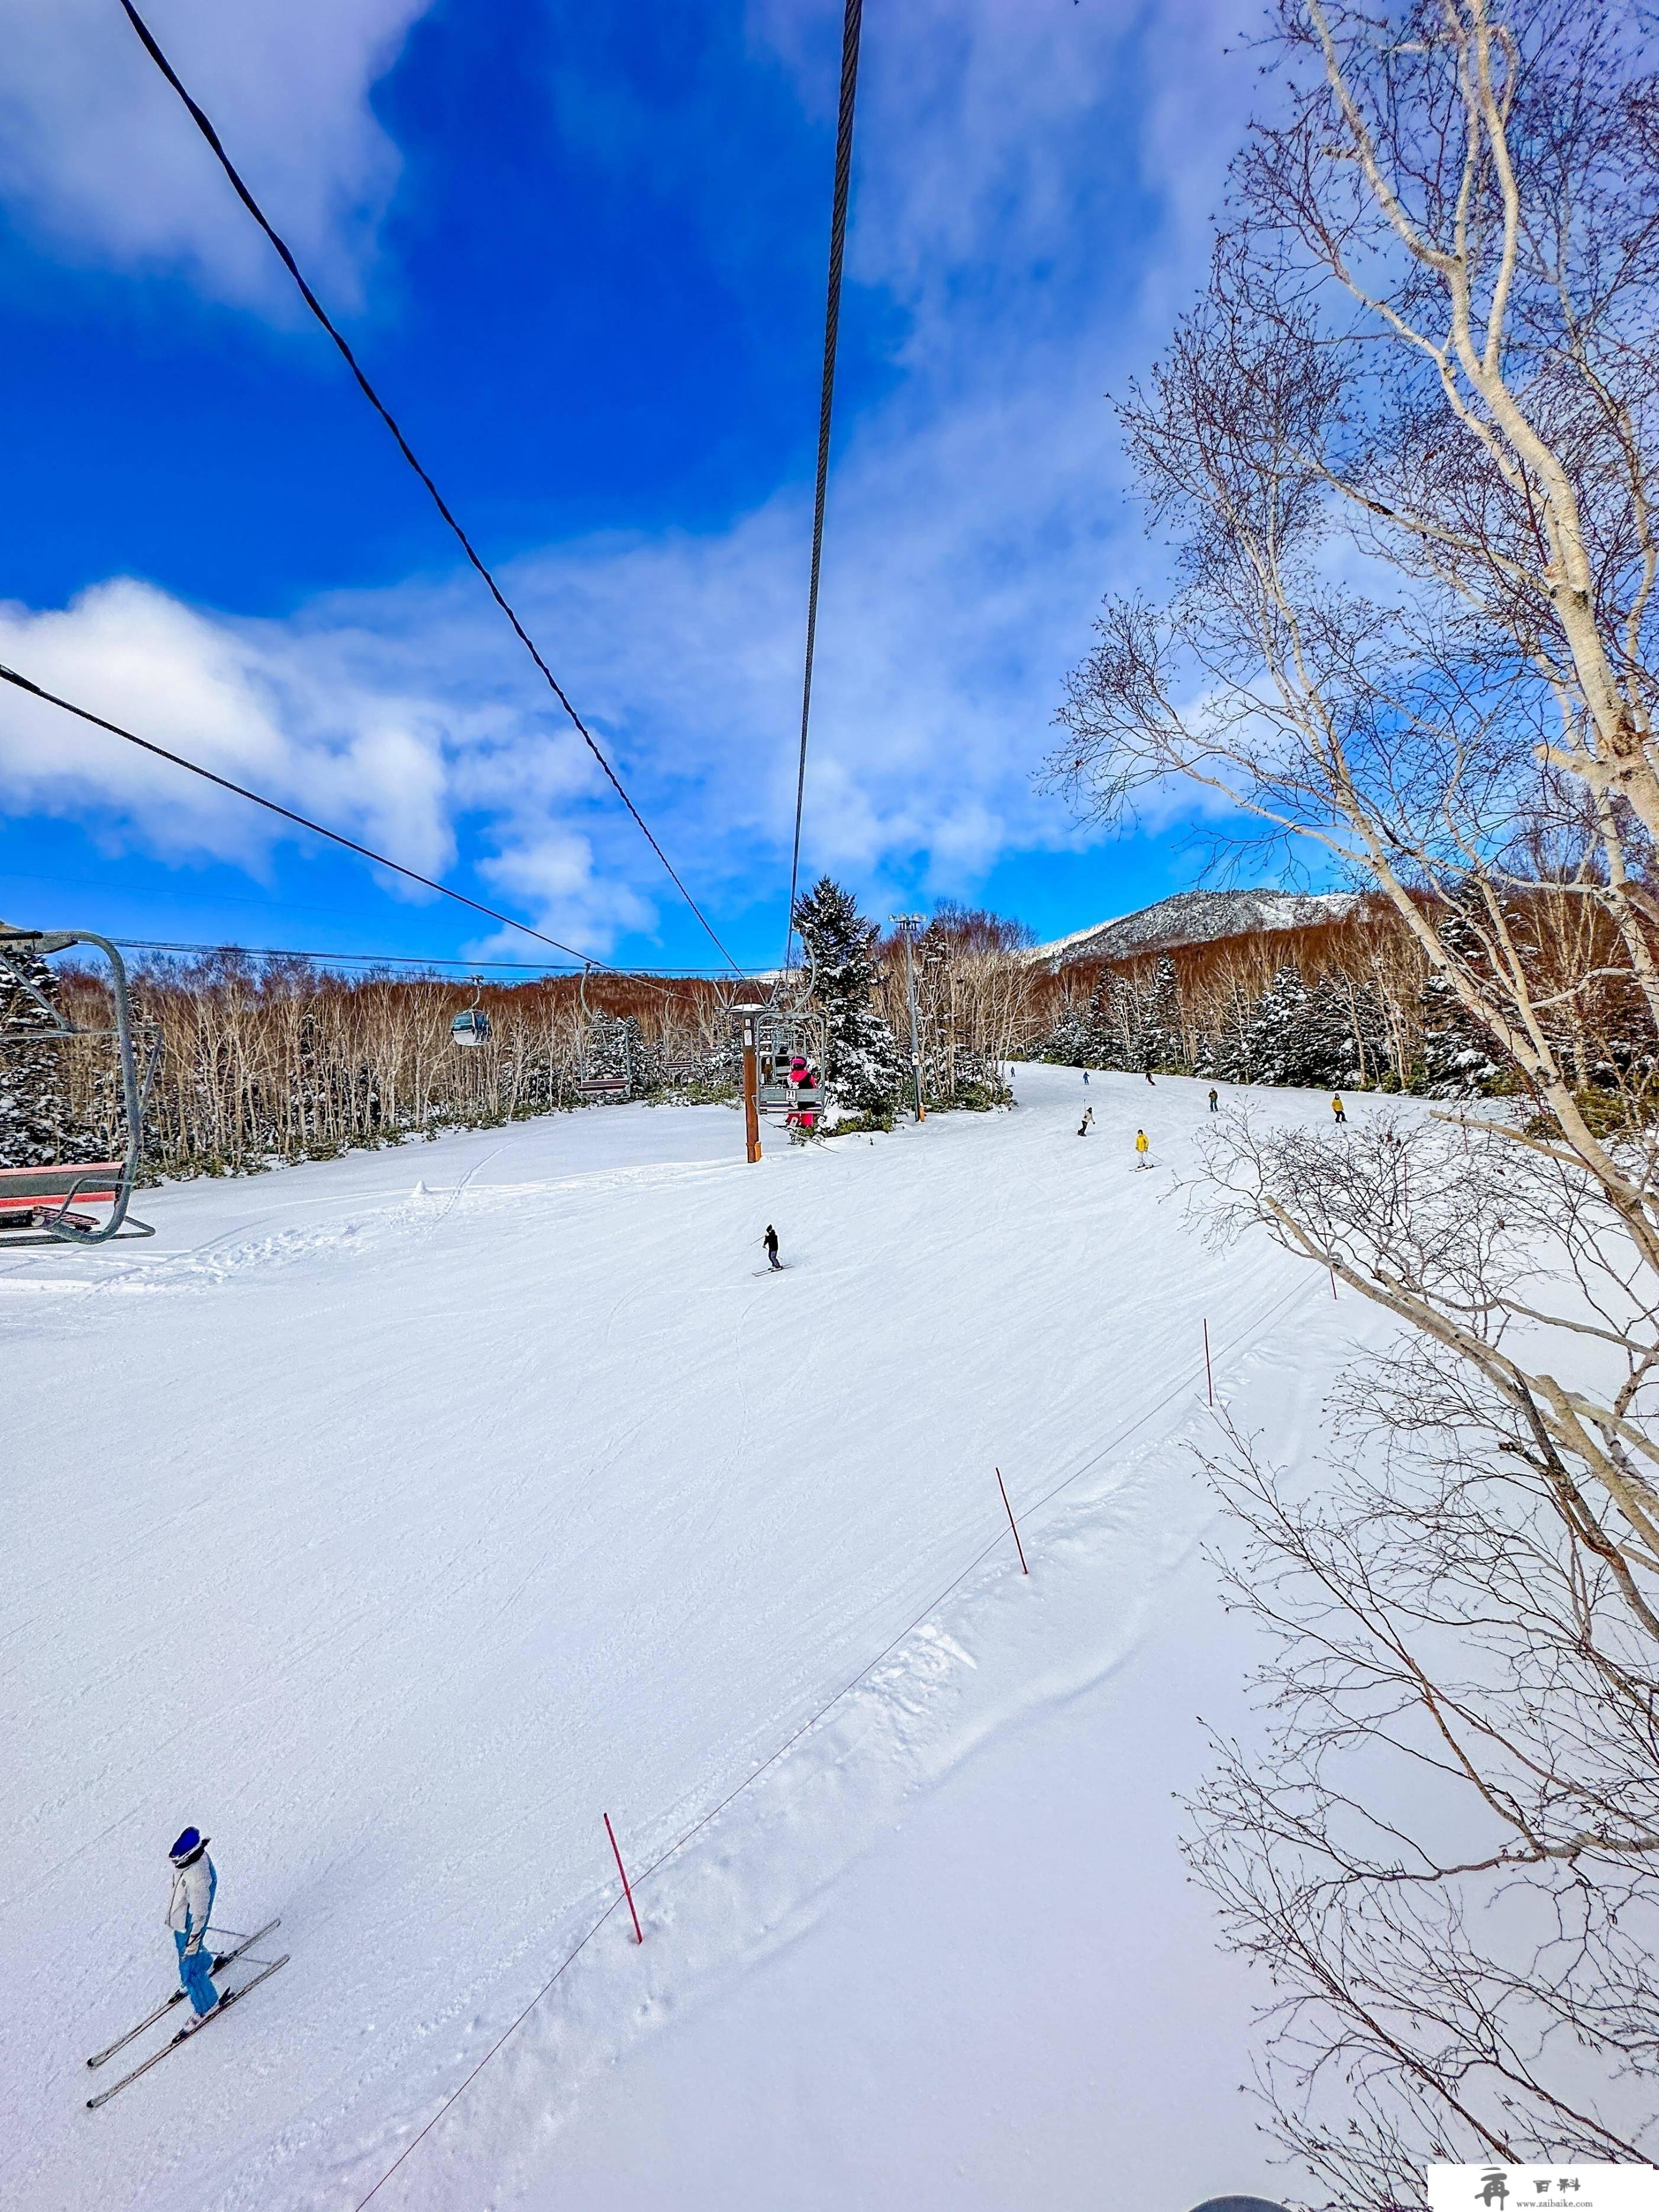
x=603, y=1087
x=76, y=1201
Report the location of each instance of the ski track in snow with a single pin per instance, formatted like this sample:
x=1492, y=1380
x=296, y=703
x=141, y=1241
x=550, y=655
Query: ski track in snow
x=394, y=1534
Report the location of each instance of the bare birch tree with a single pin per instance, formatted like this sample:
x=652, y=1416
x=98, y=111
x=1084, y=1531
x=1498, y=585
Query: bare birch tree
x=1404, y=445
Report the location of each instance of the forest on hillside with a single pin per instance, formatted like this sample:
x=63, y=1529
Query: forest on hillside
x=281, y=1059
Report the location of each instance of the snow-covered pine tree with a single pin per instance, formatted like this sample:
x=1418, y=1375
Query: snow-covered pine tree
x=33, y=1110
x=1071, y=1042
x=1275, y=1046
x=1162, y=1045
x=1327, y=1057
x=864, y=1071
x=1456, y=1053
x=616, y=1046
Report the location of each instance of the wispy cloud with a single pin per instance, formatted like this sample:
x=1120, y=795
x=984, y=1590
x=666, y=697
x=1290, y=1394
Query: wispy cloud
x=98, y=156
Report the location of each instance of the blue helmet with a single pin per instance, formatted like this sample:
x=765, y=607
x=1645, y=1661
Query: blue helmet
x=188, y=1844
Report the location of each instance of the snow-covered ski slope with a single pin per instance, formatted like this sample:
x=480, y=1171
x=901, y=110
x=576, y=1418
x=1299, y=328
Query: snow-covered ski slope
x=395, y=1518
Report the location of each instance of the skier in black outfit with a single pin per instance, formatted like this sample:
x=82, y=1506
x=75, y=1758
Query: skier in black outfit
x=770, y=1241
x=1214, y=1100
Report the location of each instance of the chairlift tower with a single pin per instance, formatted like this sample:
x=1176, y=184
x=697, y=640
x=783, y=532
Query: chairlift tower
x=907, y=925
x=748, y=1014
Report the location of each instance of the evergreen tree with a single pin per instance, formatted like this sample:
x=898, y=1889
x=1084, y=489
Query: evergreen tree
x=33, y=1111
x=1072, y=1041
x=1158, y=1008
x=1275, y=1045
x=1457, y=1058
x=864, y=1068
x=616, y=1046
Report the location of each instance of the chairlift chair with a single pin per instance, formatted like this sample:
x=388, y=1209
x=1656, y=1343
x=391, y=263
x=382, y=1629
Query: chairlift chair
x=790, y=1048
x=604, y=1089
x=472, y=1027
x=48, y=1204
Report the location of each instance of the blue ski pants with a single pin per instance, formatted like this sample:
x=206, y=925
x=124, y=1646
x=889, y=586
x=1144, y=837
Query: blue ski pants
x=195, y=1976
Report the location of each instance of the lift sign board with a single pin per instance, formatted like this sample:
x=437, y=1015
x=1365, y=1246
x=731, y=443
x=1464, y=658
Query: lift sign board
x=1494, y=2188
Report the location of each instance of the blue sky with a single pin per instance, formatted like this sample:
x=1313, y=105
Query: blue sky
x=581, y=247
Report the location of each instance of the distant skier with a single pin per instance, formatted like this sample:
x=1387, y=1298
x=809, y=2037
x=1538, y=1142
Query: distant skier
x=1214, y=1098
x=1149, y=1074
x=194, y=1882
x=770, y=1241
x=1085, y=1078
x=1143, y=1146
x=1084, y=1126
x=1338, y=1109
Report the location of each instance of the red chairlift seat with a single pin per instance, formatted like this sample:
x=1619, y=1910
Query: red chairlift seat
x=48, y=1198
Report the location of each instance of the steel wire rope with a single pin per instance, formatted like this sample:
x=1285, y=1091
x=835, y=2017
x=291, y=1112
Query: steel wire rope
x=852, y=23
x=412, y=960
x=1254, y=1328
x=205, y=125
x=335, y=836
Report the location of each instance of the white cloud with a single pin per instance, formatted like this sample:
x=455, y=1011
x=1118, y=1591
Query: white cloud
x=98, y=155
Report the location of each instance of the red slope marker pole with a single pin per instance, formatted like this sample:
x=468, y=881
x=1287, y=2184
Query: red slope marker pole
x=1209, y=1372
x=639, y=1933
x=1012, y=1523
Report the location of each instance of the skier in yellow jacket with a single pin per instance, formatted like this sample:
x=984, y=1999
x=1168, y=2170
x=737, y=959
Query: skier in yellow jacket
x=1143, y=1146
x=1337, y=1107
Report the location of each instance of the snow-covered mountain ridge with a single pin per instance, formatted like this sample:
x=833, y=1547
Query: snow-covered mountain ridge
x=1195, y=918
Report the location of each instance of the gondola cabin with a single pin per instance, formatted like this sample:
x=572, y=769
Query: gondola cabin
x=471, y=1028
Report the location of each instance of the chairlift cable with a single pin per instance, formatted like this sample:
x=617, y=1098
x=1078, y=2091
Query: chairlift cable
x=241, y=791
x=204, y=124
x=851, y=24
x=410, y=960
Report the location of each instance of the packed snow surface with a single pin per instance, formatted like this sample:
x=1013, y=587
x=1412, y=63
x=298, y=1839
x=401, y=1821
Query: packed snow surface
x=395, y=1518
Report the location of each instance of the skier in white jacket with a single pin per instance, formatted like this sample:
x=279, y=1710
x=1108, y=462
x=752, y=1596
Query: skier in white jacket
x=194, y=1881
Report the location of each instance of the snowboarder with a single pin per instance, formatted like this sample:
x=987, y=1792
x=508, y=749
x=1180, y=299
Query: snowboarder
x=1143, y=1146
x=1338, y=1109
x=194, y=1881
x=1088, y=1117
x=1215, y=1100
x=770, y=1241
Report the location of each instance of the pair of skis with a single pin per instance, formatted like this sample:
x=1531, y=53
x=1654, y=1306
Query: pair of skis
x=222, y=1959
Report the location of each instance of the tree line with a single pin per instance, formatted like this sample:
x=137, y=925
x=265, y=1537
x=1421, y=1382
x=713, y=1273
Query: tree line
x=257, y=1061
x=1355, y=1003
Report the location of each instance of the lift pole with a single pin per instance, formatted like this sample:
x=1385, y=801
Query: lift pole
x=750, y=1085
x=907, y=923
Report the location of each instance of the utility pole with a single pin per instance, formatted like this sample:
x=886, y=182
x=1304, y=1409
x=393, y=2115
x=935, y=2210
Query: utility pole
x=750, y=1085
x=907, y=923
